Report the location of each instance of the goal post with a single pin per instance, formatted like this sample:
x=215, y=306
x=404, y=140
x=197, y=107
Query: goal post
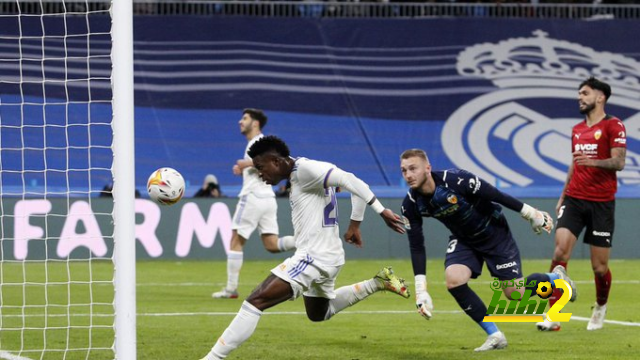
x=124, y=180
x=67, y=252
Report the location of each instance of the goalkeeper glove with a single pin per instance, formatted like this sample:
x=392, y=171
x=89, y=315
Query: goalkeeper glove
x=423, y=300
x=540, y=220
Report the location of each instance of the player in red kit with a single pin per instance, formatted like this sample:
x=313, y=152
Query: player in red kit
x=587, y=201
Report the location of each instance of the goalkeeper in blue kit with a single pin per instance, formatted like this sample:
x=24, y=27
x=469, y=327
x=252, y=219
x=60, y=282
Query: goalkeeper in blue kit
x=470, y=208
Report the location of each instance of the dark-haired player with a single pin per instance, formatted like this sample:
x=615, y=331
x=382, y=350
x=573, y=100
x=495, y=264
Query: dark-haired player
x=311, y=272
x=256, y=208
x=468, y=207
x=598, y=145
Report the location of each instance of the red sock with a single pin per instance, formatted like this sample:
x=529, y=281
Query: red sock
x=603, y=285
x=557, y=293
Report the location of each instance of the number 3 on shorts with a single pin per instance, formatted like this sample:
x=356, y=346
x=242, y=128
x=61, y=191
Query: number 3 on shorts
x=452, y=246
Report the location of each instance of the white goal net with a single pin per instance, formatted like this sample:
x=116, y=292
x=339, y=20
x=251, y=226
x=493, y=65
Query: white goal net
x=57, y=289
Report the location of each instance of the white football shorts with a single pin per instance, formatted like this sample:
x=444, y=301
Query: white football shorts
x=255, y=212
x=308, y=276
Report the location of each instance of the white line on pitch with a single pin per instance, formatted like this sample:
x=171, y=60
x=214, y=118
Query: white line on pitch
x=627, y=282
x=625, y=323
x=579, y=318
x=8, y=356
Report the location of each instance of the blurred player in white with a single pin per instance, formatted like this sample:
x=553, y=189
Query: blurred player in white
x=257, y=208
x=312, y=270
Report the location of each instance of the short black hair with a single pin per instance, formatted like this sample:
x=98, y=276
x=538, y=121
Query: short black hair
x=258, y=115
x=267, y=144
x=596, y=84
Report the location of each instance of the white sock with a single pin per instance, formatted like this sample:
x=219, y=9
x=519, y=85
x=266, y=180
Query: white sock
x=240, y=329
x=351, y=294
x=286, y=243
x=234, y=264
x=211, y=356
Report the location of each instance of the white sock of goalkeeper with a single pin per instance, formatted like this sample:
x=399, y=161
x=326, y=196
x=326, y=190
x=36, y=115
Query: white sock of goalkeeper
x=234, y=264
x=240, y=329
x=351, y=294
x=286, y=243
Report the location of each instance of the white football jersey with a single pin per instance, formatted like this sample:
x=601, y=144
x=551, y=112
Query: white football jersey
x=314, y=212
x=251, y=181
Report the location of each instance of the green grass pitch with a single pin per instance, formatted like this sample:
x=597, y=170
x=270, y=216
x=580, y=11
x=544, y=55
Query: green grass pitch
x=178, y=319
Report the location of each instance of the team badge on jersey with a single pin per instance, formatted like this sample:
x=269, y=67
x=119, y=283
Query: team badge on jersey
x=597, y=134
x=452, y=199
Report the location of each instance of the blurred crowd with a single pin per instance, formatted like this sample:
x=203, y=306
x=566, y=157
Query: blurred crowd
x=311, y=8
x=522, y=1
x=306, y=7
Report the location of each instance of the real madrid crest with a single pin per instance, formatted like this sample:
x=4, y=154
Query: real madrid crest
x=527, y=73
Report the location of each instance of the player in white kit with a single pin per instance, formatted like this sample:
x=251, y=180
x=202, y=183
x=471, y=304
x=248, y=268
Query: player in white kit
x=257, y=208
x=312, y=270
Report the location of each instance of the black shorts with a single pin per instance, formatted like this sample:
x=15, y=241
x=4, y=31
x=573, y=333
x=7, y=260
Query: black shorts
x=503, y=261
x=597, y=216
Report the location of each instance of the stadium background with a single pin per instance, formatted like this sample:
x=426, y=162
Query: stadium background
x=337, y=86
x=355, y=92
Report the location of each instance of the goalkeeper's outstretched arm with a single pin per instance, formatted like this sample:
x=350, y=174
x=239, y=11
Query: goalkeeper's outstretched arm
x=540, y=220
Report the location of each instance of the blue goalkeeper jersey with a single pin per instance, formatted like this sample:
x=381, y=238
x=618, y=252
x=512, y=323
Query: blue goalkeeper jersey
x=466, y=205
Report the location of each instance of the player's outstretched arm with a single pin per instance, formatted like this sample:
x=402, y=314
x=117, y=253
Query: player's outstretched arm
x=540, y=220
x=393, y=221
x=361, y=195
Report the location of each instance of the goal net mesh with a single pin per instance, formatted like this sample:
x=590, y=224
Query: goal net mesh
x=56, y=266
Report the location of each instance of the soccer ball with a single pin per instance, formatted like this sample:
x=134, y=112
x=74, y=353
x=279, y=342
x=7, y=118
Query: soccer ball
x=165, y=186
x=544, y=289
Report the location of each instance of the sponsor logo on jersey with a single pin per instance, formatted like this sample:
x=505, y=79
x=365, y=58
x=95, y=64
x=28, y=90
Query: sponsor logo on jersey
x=601, y=233
x=452, y=199
x=586, y=147
x=449, y=211
x=505, y=266
x=577, y=136
x=620, y=141
x=474, y=184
